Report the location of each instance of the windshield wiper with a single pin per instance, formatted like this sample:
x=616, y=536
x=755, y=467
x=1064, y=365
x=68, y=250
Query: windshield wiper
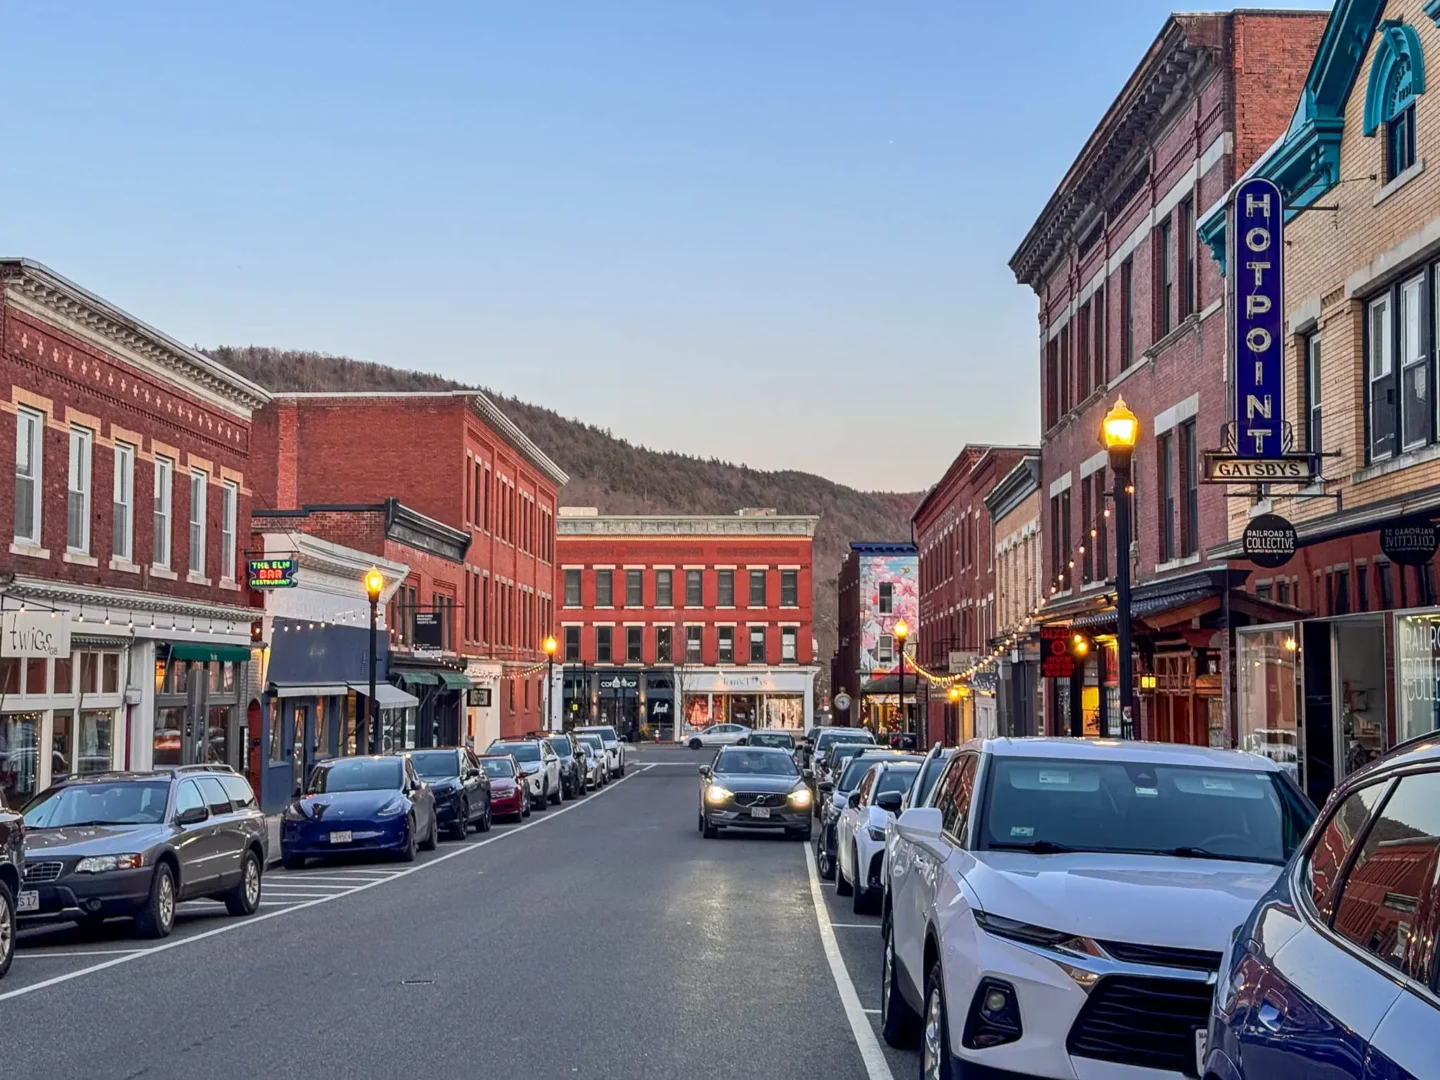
x=87, y=824
x=1035, y=847
x=1206, y=853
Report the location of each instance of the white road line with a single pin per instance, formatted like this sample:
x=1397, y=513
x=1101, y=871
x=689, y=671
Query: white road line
x=871, y=1012
x=855, y=925
x=876, y=1067
x=87, y=952
x=240, y=924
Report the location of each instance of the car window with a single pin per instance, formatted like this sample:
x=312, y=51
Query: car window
x=497, y=767
x=929, y=774
x=214, y=795
x=960, y=790
x=187, y=798
x=867, y=784
x=411, y=777
x=241, y=795
x=357, y=774
x=1328, y=856
x=123, y=802
x=895, y=778
x=1390, y=887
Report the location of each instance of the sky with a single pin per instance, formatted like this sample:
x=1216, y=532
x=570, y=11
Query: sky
x=775, y=232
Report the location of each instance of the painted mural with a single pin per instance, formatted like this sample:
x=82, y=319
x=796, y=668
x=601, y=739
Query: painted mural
x=889, y=591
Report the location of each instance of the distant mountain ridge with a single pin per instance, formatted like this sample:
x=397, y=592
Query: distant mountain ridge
x=621, y=478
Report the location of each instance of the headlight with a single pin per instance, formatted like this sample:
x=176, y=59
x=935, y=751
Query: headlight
x=715, y=795
x=394, y=807
x=1019, y=931
x=99, y=864
x=800, y=798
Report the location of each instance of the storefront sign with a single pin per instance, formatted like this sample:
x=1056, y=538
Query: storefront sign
x=478, y=697
x=1221, y=468
x=429, y=632
x=1256, y=257
x=35, y=633
x=1411, y=543
x=659, y=709
x=1417, y=668
x=1055, y=659
x=1269, y=541
x=273, y=573
x=620, y=682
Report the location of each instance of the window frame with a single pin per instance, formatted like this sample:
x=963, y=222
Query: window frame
x=605, y=598
x=162, y=510
x=1165, y=491
x=1127, y=313
x=664, y=644
x=789, y=645
x=80, y=470
x=725, y=588
x=573, y=577
x=229, y=525
x=604, y=644
x=1312, y=352
x=1189, y=293
x=33, y=421
x=664, y=588
x=573, y=645
x=1165, y=276
x=634, y=644
x=725, y=645
x=1189, y=488
x=695, y=589
x=757, y=635
x=694, y=644
x=634, y=588
x=885, y=598
x=1404, y=365
x=760, y=601
x=122, y=531
x=199, y=499
x=1400, y=142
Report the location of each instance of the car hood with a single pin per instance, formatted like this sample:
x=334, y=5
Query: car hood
x=747, y=782
x=1150, y=900
x=92, y=840
x=502, y=785
x=338, y=804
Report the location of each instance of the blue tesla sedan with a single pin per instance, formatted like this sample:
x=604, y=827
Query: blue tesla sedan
x=359, y=804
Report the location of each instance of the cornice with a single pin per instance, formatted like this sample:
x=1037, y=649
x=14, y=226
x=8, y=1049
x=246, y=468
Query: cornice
x=57, y=592
x=485, y=408
x=414, y=529
x=682, y=525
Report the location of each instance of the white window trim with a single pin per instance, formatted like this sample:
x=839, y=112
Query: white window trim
x=197, y=568
x=164, y=496
x=86, y=440
x=229, y=527
x=37, y=479
x=124, y=475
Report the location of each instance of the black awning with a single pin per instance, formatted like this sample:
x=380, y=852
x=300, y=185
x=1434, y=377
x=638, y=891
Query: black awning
x=1109, y=619
x=890, y=684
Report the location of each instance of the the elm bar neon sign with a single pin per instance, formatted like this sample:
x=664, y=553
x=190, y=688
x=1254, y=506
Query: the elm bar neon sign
x=1257, y=254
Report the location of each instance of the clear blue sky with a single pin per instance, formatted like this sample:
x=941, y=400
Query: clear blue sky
x=771, y=231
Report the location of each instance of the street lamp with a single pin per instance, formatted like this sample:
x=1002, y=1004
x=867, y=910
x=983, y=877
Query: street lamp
x=1119, y=432
x=902, y=631
x=374, y=586
x=550, y=646
x=953, y=735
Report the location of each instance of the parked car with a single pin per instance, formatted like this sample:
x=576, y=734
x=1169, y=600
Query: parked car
x=540, y=766
x=614, y=748
x=860, y=832
x=136, y=844
x=719, y=735
x=509, y=794
x=460, y=787
x=833, y=736
x=571, y=782
x=596, y=743
x=835, y=796
x=592, y=766
x=371, y=803
x=1334, y=972
x=781, y=740
x=1061, y=905
x=752, y=787
x=931, y=766
x=12, y=869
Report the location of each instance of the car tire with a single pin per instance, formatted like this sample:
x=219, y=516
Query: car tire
x=710, y=831
x=407, y=853
x=861, y=902
x=899, y=1024
x=935, y=1056
x=486, y=819
x=157, y=918
x=825, y=865
x=696, y=744
x=244, y=899
x=431, y=842
x=462, y=821
x=557, y=797
x=700, y=821
x=292, y=862
x=7, y=928
x=842, y=887
x=525, y=805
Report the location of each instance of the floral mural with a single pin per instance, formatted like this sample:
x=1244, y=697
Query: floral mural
x=889, y=591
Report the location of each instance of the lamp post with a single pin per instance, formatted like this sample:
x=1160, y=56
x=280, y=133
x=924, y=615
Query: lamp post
x=955, y=715
x=902, y=631
x=374, y=586
x=1119, y=433
x=550, y=646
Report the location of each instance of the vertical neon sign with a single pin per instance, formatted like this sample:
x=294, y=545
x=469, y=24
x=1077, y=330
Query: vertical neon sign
x=1257, y=261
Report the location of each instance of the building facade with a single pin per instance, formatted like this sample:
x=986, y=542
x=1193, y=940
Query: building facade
x=670, y=623
x=1014, y=508
x=126, y=637
x=879, y=588
x=1128, y=307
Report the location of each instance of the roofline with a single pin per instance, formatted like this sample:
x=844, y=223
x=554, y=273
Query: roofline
x=585, y=525
x=877, y=547
x=982, y=451
x=1014, y=487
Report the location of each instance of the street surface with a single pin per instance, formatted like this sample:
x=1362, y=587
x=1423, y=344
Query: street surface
x=603, y=938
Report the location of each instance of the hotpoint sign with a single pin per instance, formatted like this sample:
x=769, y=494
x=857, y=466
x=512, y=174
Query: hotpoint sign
x=1258, y=271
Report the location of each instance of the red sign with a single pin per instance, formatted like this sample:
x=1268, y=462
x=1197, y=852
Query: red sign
x=1055, y=659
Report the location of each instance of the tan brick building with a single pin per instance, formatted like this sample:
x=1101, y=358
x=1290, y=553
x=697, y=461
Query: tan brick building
x=1014, y=508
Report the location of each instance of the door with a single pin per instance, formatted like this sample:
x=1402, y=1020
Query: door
x=1319, y=731
x=302, y=735
x=195, y=844
x=227, y=840
x=1359, y=732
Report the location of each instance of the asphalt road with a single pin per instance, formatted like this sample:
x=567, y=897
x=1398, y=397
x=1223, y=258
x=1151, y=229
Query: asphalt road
x=604, y=938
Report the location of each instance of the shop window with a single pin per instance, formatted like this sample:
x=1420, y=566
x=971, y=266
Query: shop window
x=1314, y=430
x=602, y=644
x=664, y=644
x=634, y=588
x=725, y=653
x=725, y=589
x=89, y=673
x=572, y=644
x=664, y=588
x=11, y=673
x=29, y=448
x=788, y=636
x=110, y=673
x=604, y=588
x=693, y=644
x=694, y=593
x=36, y=672
x=77, y=521
x=634, y=644
x=94, y=748
x=757, y=645
x=757, y=588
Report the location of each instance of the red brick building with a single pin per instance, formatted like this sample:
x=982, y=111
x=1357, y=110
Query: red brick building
x=707, y=616
x=452, y=458
x=956, y=544
x=1129, y=308
x=129, y=510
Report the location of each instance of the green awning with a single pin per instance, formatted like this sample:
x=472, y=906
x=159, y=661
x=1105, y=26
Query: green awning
x=225, y=654
x=418, y=678
x=453, y=680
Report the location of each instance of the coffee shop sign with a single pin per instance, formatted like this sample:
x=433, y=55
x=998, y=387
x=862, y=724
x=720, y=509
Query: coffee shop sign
x=34, y=633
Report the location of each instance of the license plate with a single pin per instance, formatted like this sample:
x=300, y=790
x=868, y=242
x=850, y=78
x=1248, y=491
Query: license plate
x=341, y=837
x=1202, y=1038
x=759, y=811
x=29, y=900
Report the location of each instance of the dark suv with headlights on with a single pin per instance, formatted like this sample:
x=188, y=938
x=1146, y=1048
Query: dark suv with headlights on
x=461, y=789
x=12, y=865
x=138, y=844
x=753, y=787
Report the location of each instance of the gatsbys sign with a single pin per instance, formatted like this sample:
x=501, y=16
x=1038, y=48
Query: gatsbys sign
x=273, y=573
x=1257, y=273
x=1409, y=543
x=1269, y=541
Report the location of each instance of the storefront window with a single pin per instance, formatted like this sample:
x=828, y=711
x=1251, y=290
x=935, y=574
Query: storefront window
x=35, y=673
x=217, y=737
x=1417, y=670
x=19, y=756
x=169, y=731
x=110, y=672
x=277, y=744
x=786, y=712
x=62, y=728
x=9, y=676
x=1269, y=703
x=64, y=675
x=89, y=673
x=697, y=710
x=93, y=742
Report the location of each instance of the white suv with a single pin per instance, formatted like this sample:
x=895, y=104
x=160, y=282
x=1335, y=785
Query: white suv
x=539, y=767
x=614, y=748
x=860, y=832
x=1060, y=906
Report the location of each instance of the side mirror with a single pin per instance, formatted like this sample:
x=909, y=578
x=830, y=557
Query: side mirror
x=193, y=816
x=809, y=774
x=827, y=786
x=889, y=801
x=704, y=770
x=922, y=825
x=854, y=800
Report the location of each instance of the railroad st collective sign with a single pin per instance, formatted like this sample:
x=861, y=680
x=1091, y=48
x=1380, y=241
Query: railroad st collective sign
x=1409, y=543
x=1256, y=230
x=1269, y=541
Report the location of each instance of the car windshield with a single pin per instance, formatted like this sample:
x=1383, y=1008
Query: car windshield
x=1141, y=807
x=593, y=741
x=561, y=747
x=607, y=734
x=854, y=773
x=125, y=802
x=755, y=763
x=838, y=755
x=929, y=773
x=497, y=767
x=521, y=751
x=896, y=778
x=830, y=738
x=437, y=764
x=356, y=774
x=783, y=742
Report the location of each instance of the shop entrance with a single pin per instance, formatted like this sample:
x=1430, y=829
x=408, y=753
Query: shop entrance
x=1359, y=692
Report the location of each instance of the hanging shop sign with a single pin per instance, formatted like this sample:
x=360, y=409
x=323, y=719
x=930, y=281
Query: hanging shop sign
x=1225, y=468
x=1055, y=659
x=429, y=634
x=478, y=697
x=1257, y=273
x=1409, y=543
x=1269, y=541
x=34, y=633
x=273, y=573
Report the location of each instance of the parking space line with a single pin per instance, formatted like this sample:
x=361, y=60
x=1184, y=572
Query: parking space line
x=855, y=925
x=86, y=952
x=876, y=1067
x=871, y=1012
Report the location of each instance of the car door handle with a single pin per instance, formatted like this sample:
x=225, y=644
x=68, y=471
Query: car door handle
x=1270, y=1016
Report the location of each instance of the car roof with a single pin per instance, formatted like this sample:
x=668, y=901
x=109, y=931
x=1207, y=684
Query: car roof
x=112, y=777
x=1124, y=750
x=753, y=750
x=507, y=757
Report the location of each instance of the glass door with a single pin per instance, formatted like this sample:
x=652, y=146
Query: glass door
x=300, y=745
x=1359, y=693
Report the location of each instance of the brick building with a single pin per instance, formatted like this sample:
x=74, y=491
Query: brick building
x=1129, y=308
x=879, y=588
x=130, y=505
x=956, y=545
x=708, y=618
x=1014, y=508
x=453, y=460
x=1354, y=670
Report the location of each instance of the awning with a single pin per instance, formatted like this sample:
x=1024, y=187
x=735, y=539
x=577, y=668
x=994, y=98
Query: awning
x=226, y=654
x=417, y=678
x=455, y=680
x=387, y=696
x=889, y=683
x=310, y=690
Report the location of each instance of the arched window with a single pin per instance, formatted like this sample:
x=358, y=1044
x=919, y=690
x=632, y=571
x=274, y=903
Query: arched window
x=1397, y=78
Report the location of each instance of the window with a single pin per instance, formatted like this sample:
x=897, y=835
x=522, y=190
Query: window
x=1332, y=850
x=1400, y=142
x=198, y=482
x=725, y=588
x=757, y=645
x=693, y=642
x=1414, y=367
x=664, y=588
x=1382, y=381
x=694, y=597
x=187, y=797
x=1190, y=489
x=1127, y=313
x=1282, y=591
x=887, y=598
x=788, y=636
x=229, y=509
x=1087, y=513
x=1100, y=355
x=789, y=588
x=1067, y=382
x=953, y=794
x=77, y=519
x=757, y=588
x=572, y=644
x=1310, y=347
x=1165, y=489
x=122, y=534
x=634, y=644
x=602, y=644
x=164, y=484
x=1164, y=277
x=1052, y=383
x=664, y=644
x=29, y=440
x=1083, y=367
x=1362, y=587
x=634, y=588
x=726, y=652
x=572, y=588
x=1187, y=257
x=241, y=795
x=604, y=588
x=885, y=650
x=1387, y=895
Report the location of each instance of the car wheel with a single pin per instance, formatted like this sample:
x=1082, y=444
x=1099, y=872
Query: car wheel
x=292, y=862
x=432, y=841
x=825, y=864
x=525, y=805
x=898, y=1022
x=696, y=744
x=407, y=853
x=7, y=928
x=936, y=1060
x=861, y=904
x=461, y=828
x=710, y=831
x=557, y=796
x=244, y=899
x=842, y=887
x=486, y=819
x=157, y=918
